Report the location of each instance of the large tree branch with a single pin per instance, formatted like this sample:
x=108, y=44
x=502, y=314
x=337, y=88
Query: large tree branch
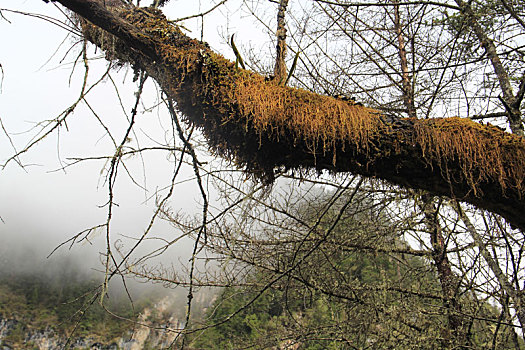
x=261, y=125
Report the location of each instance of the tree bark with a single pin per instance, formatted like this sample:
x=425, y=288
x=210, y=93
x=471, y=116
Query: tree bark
x=448, y=280
x=262, y=126
x=408, y=91
x=279, y=70
x=511, y=102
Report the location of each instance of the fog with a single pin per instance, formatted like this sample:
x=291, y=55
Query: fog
x=44, y=203
x=41, y=205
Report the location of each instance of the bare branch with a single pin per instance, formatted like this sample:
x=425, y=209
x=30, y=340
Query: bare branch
x=378, y=4
x=202, y=14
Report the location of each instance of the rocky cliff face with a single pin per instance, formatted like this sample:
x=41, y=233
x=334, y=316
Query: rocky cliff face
x=154, y=331
x=156, y=328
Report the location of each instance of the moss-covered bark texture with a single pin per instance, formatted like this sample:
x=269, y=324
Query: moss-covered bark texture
x=261, y=126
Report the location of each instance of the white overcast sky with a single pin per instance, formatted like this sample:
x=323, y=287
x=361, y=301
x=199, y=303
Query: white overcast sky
x=41, y=207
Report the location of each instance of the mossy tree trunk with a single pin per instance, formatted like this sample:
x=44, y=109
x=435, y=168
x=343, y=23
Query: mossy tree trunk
x=263, y=126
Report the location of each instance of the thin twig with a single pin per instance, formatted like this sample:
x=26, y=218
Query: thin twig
x=202, y=230
x=202, y=14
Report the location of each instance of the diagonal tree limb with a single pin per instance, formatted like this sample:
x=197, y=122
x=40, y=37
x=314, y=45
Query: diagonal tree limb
x=262, y=126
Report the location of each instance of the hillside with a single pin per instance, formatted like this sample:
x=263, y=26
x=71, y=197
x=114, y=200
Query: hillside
x=56, y=309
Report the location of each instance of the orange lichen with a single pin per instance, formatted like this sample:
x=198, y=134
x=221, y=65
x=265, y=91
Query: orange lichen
x=321, y=120
x=483, y=152
x=254, y=121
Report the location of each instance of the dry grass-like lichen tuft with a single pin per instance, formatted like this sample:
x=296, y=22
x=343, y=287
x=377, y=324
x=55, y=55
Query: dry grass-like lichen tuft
x=261, y=125
x=321, y=121
x=484, y=153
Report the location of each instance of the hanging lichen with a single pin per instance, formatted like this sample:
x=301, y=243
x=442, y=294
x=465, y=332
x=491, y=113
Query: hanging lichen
x=261, y=125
